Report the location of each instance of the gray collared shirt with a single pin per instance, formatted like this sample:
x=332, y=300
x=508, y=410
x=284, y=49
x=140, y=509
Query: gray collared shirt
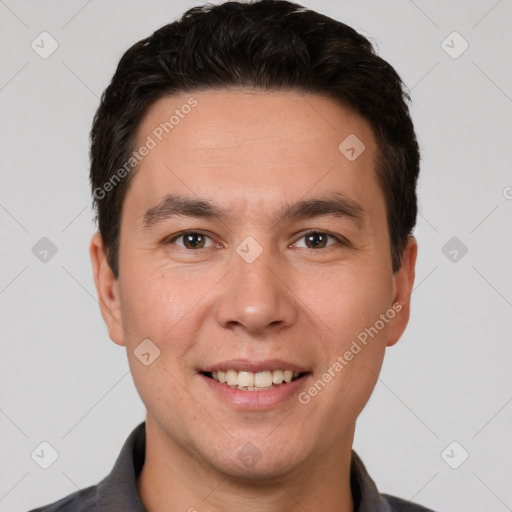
x=117, y=492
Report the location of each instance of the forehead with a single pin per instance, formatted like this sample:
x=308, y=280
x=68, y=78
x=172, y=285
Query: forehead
x=253, y=146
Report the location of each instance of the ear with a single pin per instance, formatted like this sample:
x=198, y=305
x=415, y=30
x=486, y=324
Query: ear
x=403, y=281
x=107, y=288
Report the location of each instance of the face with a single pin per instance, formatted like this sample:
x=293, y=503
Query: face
x=251, y=243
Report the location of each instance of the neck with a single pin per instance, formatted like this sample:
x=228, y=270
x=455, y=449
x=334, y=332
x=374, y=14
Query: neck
x=173, y=480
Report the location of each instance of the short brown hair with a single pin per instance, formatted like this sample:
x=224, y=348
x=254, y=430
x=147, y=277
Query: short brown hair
x=269, y=44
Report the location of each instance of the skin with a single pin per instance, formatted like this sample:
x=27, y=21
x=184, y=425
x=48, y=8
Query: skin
x=252, y=151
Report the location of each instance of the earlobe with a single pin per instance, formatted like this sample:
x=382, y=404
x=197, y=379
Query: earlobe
x=403, y=282
x=107, y=288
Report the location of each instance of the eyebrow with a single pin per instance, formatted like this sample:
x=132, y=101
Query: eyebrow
x=173, y=205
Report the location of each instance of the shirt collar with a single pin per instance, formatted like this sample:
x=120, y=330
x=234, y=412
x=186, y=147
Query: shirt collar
x=118, y=491
x=364, y=491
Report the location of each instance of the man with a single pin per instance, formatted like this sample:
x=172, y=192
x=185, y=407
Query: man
x=253, y=169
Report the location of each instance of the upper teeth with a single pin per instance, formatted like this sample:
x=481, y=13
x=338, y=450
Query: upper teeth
x=258, y=380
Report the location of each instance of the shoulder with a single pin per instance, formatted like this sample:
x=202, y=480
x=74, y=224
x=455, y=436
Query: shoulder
x=400, y=505
x=84, y=500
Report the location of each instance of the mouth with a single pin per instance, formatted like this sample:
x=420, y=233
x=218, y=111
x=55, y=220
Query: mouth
x=255, y=381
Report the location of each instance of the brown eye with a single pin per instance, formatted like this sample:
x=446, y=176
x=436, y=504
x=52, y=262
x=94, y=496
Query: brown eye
x=193, y=240
x=190, y=240
x=318, y=240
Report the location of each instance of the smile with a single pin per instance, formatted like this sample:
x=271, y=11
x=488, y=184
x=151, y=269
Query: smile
x=253, y=381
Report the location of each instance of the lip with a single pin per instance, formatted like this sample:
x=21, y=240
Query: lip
x=256, y=400
x=243, y=365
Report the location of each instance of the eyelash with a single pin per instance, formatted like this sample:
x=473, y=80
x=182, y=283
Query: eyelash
x=338, y=238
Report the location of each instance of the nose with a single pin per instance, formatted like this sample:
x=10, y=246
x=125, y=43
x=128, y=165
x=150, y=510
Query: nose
x=255, y=297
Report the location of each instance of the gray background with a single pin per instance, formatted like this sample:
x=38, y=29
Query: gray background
x=448, y=379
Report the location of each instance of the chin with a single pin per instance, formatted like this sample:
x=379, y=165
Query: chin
x=257, y=462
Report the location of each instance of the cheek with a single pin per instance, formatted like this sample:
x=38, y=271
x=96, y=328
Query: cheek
x=346, y=299
x=160, y=310
x=349, y=305
x=167, y=310
x=154, y=304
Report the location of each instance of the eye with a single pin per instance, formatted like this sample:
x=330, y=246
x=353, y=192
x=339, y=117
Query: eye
x=191, y=240
x=318, y=240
